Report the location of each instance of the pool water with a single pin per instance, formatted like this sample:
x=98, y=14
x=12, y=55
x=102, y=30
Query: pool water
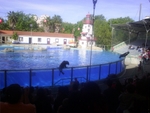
x=40, y=68
x=52, y=58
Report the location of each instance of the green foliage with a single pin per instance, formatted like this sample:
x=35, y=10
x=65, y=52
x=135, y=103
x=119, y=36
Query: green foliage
x=4, y=25
x=67, y=27
x=15, y=36
x=102, y=31
x=56, y=23
x=120, y=20
x=78, y=29
x=12, y=19
x=102, y=27
x=20, y=21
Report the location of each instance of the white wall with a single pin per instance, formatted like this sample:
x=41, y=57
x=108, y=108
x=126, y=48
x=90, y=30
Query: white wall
x=83, y=43
x=44, y=39
x=86, y=27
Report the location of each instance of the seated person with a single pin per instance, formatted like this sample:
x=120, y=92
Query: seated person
x=131, y=47
x=138, y=47
x=13, y=103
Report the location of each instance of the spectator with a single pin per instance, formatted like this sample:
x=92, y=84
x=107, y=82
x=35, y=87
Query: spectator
x=92, y=100
x=111, y=96
x=74, y=85
x=13, y=103
x=42, y=102
x=126, y=99
x=63, y=92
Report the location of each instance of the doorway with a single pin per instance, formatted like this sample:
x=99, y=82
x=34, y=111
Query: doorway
x=30, y=40
x=3, y=39
x=65, y=41
x=48, y=41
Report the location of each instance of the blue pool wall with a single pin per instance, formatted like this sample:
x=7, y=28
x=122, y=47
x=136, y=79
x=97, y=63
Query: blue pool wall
x=35, y=47
x=52, y=77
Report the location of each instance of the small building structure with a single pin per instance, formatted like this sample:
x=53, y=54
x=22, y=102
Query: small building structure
x=87, y=37
x=26, y=37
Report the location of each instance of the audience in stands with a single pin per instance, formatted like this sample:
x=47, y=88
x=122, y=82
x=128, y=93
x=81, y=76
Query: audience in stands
x=111, y=96
x=131, y=47
x=63, y=92
x=42, y=101
x=132, y=96
x=14, y=104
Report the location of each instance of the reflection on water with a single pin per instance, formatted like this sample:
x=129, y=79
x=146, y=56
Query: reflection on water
x=52, y=58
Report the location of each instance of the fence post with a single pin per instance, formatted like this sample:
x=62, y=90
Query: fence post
x=99, y=72
x=116, y=67
x=71, y=74
x=87, y=74
x=5, y=78
x=52, y=77
x=109, y=68
x=30, y=78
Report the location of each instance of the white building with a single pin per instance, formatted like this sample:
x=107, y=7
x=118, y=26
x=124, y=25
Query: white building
x=25, y=37
x=40, y=19
x=87, y=33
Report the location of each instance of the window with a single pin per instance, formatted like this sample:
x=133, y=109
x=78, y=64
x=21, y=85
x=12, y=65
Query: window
x=20, y=38
x=56, y=40
x=84, y=34
x=91, y=43
x=39, y=39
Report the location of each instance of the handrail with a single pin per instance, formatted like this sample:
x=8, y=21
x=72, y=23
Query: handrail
x=86, y=77
x=28, y=69
x=66, y=79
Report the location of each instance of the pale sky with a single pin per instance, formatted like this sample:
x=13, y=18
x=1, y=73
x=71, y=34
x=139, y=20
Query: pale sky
x=75, y=10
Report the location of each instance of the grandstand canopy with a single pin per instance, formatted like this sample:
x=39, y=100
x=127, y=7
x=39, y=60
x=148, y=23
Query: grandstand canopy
x=135, y=27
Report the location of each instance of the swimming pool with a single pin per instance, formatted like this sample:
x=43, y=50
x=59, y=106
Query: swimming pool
x=40, y=68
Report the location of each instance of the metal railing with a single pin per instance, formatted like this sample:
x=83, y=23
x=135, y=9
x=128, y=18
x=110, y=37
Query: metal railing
x=52, y=77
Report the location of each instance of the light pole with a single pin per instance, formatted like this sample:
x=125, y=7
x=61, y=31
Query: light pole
x=31, y=35
x=94, y=4
x=112, y=39
x=31, y=29
x=129, y=37
x=0, y=34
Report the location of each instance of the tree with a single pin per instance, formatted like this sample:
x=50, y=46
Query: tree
x=67, y=27
x=102, y=31
x=78, y=29
x=120, y=35
x=3, y=24
x=47, y=24
x=15, y=36
x=12, y=19
x=56, y=22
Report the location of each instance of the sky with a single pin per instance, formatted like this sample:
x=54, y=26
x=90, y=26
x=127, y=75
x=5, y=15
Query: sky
x=73, y=11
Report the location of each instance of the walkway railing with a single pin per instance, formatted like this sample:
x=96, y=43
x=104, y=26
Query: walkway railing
x=52, y=77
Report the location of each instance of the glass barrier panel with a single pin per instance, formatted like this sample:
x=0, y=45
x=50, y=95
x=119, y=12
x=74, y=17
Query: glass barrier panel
x=104, y=71
x=41, y=78
x=113, y=68
x=62, y=79
x=122, y=66
x=119, y=67
x=2, y=82
x=18, y=77
x=80, y=74
x=94, y=73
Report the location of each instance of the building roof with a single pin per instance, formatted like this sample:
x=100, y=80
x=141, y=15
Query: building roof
x=138, y=26
x=44, y=34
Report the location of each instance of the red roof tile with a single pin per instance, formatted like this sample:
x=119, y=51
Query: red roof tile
x=44, y=34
